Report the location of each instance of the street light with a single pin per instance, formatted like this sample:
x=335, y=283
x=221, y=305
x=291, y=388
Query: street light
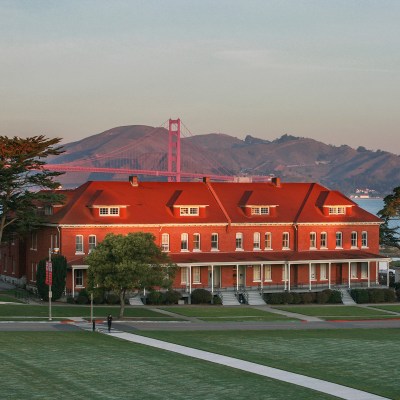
x=49, y=280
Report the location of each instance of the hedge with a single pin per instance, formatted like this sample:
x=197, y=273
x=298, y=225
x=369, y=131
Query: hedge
x=361, y=296
x=326, y=296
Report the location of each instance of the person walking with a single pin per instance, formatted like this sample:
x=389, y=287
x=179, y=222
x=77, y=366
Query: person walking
x=109, y=322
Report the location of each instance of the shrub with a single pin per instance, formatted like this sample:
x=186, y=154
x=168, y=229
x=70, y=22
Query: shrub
x=307, y=297
x=335, y=297
x=70, y=300
x=376, y=295
x=83, y=297
x=273, y=298
x=390, y=295
x=155, y=297
x=172, y=297
x=287, y=298
x=323, y=297
x=112, y=298
x=296, y=298
x=360, y=296
x=201, y=296
x=217, y=300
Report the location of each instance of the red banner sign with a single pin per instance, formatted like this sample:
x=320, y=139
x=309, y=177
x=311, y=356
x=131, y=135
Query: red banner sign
x=49, y=273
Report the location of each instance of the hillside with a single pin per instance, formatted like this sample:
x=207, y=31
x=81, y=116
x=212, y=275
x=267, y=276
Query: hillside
x=289, y=157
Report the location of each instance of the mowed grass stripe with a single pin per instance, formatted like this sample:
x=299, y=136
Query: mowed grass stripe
x=358, y=358
x=86, y=365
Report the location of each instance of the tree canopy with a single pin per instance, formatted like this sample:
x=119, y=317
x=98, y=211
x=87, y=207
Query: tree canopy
x=59, y=278
x=389, y=235
x=132, y=262
x=22, y=178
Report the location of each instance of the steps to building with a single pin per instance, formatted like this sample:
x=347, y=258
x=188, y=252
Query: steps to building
x=255, y=299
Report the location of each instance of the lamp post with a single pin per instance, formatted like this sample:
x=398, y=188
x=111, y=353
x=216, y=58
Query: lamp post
x=49, y=280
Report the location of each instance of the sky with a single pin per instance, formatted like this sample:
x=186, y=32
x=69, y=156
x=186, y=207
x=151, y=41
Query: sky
x=327, y=70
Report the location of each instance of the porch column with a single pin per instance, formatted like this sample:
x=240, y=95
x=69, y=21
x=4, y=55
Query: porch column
x=288, y=277
x=369, y=281
x=73, y=283
x=212, y=280
x=237, y=277
x=329, y=275
x=285, y=276
x=190, y=279
x=387, y=275
x=262, y=277
x=349, y=274
x=309, y=276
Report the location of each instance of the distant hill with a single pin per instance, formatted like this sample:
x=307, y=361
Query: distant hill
x=291, y=158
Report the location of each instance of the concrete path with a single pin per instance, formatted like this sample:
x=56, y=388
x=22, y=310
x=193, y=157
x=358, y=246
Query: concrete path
x=288, y=314
x=342, y=392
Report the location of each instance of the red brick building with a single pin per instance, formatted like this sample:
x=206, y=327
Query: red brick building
x=223, y=236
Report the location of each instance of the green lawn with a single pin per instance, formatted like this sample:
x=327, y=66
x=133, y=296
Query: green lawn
x=337, y=312
x=395, y=308
x=8, y=298
x=65, y=311
x=216, y=313
x=87, y=365
x=359, y=358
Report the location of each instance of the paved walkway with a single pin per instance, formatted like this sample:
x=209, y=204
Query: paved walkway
x=342, y=392
x=289, y=314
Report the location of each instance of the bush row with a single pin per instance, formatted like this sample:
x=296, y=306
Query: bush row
x=168, y=297
x=373, y=295
x=99, y=297
x=326, y=296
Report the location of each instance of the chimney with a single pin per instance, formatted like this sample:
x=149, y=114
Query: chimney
x=206, y=179
x=276, y=181
x=133, y=180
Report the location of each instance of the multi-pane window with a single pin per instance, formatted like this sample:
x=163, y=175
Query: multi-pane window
x=239, y=241
x=364, y=270
x=353, y=270
x=79, y=277
x=339, y=239
x=92, y=242
x=337, y=210
x=165, y=242
x=313, y=240
x=353, y=239
x=256, y=273
x=196, y=241
x=78, y=244
x=256, y=240
x=268, y=241
x=323, y=272
x=364, y=239
x=196, y=275
x=214, y=241
x=184, y=276
x=185, y=211
x=109, y=211
x=285, y=240
x=184, y=242
x=324, y=240
x=48, y=210
x=268, y=273
x=259, y=210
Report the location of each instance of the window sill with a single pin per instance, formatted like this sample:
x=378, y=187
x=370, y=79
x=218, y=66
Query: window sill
x=268, y=280
x=286, y=248
x=256, y=249
x=353, y=248
x=79, y=253
x=196, y=251
x=184, y=251
x=214, y=249
x=239, y=249
x=268, y=249
x=338, y=248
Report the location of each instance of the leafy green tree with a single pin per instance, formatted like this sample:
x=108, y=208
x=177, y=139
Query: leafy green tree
x=124, y=263
x=22, y=176
x=59, y=264
x=389, y=236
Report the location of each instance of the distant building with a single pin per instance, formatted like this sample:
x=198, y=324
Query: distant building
x=223, y=236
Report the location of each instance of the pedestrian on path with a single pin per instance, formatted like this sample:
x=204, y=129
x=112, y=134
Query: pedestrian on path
x=109, y=322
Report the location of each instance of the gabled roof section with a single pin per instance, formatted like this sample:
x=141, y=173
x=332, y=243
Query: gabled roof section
x=186, y=198
x=255, y=198
x=335, y=198
x=103, y=198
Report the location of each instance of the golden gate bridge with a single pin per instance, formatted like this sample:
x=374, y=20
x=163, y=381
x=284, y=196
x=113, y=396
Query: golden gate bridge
x=128, y=160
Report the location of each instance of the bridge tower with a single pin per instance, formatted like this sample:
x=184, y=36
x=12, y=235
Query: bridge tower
x=174, y=150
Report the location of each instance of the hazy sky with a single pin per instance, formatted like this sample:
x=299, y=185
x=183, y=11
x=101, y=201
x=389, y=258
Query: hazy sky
x=328, y=70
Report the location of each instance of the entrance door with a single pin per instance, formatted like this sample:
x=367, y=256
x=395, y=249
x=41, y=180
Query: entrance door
x=242, y=275
x=338, y=274
x=217, y=276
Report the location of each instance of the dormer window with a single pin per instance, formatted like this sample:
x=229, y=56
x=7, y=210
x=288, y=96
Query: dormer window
x=104, y=211
x=337, y=210
x=189, y=211
x=262, y=210
x=48, y=210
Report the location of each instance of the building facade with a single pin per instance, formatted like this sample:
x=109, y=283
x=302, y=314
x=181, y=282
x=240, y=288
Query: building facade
x=270, y=236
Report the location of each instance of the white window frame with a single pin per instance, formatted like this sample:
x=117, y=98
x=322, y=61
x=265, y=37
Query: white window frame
x=267, y=273
x=313, y=240
x=259, y=210
x=239, y=241
x=285, y=241
x=353, y=271
x=79, y=249
x=313, y=272
x=196, y=242
x=284, y=273
x=189, y=211
x=324, y=240
x=268, y=241
x=214, y=242
x=256, y=273
x=256, y=241
x=92, y=243
x=34, y=241
x=364, y=270
x=78, y=276
x=184, y=242
x=337, y=210
x=323, y=272
x=165, y=242
x=109, y=211
x=184, y=276
x=196, y=274
x=339, y=240
x=364, y=239
x=353, y=240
